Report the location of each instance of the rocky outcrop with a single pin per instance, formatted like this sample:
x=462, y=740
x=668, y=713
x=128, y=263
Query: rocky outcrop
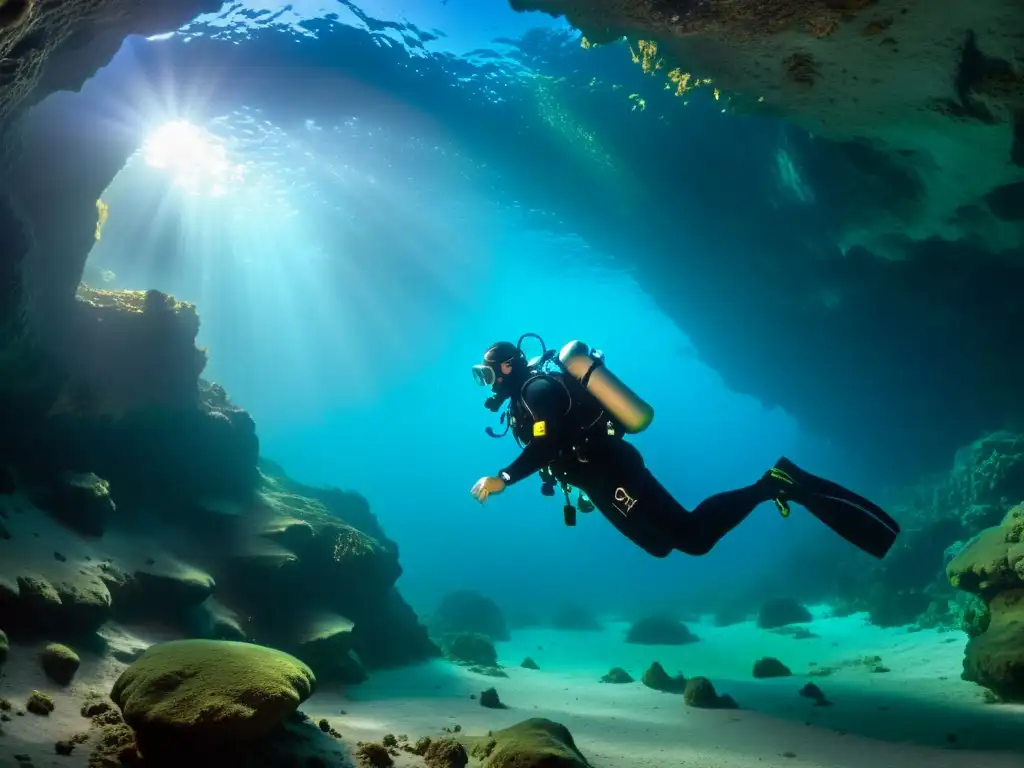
x=792, y=58
x=940, y=515
x=991, y=566
x=781, y=612
x=155, y=507
x=530, y=744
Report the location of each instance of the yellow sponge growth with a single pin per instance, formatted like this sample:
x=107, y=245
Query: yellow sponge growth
x=102, y=214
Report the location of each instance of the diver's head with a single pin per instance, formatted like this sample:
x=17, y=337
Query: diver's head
x=503, y=366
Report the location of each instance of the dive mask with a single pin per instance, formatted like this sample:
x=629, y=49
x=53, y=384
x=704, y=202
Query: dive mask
x=484, y=375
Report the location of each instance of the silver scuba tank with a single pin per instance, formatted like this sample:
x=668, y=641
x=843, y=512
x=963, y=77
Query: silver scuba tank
x=621, y=402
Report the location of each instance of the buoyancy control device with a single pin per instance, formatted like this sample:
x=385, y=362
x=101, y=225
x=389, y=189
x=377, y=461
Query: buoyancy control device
x=588, y=367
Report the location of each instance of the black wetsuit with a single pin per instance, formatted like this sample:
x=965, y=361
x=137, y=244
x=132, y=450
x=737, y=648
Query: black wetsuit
x=583, y=446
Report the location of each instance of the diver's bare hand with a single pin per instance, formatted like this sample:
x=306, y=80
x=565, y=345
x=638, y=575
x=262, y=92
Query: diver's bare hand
x=486, y=486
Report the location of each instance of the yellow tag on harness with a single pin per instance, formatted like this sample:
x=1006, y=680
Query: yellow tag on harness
x=540, y=428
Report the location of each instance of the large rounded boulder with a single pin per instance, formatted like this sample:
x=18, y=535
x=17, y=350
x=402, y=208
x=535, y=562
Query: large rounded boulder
x=991, y=566
x=533, y=743
x=216, y=693
x=468, y=611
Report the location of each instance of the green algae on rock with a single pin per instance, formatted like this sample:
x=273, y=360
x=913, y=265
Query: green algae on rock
x=617, y=675
x=210, y=691
x=660, y=630
x=658, y=679
x=60, y=663
x=470, y=648
x=39, y=704
x=533, y=743
x=991, y=566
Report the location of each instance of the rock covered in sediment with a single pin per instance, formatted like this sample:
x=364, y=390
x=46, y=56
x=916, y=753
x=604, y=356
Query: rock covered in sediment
x=769, y=666
x=80, y=501
x=470, y=648
x=445, y=753
x=780, y=612
x=533, y=743
x=991, y=566
x=660, y=630
x=467, y=610
x=617, y=676
x=194, y=534
x=658, y=679
x=209, y=692
x=700, y=692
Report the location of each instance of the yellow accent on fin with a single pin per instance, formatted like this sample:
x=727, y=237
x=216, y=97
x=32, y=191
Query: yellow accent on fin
x=540, y=428
x=783, y=507
x=778, y=474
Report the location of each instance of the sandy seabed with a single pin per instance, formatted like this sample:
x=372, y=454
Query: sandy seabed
x=919, y=713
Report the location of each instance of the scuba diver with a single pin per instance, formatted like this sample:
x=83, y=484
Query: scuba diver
x=570, y=415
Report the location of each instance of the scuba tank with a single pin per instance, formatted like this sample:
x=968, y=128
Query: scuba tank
x=588, y=366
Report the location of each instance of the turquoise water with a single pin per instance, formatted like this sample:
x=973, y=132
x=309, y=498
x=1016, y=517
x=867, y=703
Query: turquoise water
x=352, y=260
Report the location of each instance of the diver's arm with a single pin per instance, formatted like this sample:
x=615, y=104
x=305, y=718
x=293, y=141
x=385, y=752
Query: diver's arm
x=546, y=403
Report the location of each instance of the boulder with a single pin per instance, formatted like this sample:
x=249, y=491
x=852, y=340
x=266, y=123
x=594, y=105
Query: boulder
x=700, y=692
x=60, y=663
x=470, y=648
x=617, y=676
x=991, y=566
x=660, y=630
x=445, y=753
x=167, y=588
x=770, y=667
x=533, y=743
x=780, y=612
x=63, y=603
x=82, y=502
x=209, y=692
x=659, y=680
x=324, y=642
x=469, y=611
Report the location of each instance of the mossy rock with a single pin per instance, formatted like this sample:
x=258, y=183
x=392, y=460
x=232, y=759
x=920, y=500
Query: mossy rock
x=658, y=679
x=78, y=604
x=167, y=588
x=324, y=642
x=210, y=692
x=445, y=753
x=770, y=667
x=212, y=620
x=533, y=743
x=60, y=663
x=470, y=648
x=700, y=693
x=82, y=502
x=660, y=630
x=618, y=676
